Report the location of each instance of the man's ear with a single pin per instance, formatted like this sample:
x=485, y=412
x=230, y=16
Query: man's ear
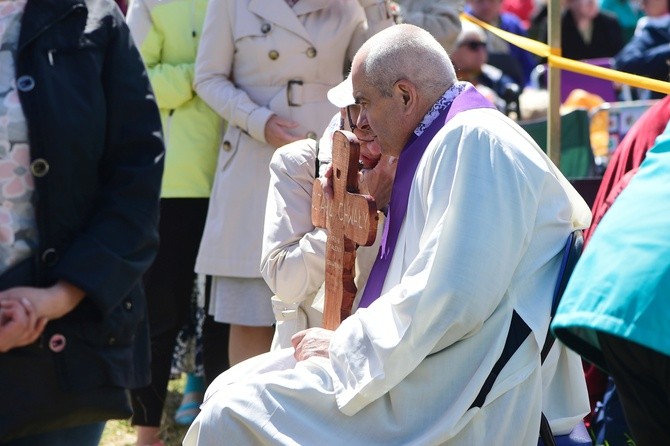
x=407, y=92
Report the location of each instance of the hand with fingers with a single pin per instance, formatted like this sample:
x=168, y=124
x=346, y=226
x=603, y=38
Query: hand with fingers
x=19, y=324
x=277, y=131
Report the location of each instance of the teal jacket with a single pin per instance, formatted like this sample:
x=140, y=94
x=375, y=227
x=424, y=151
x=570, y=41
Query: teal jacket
x=621, y=284
x=167, y=32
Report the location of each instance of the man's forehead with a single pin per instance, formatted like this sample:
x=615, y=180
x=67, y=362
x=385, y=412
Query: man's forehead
x=359, y=90
x=357, y=74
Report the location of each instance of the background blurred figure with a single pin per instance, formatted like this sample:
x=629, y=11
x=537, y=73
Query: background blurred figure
x=627, y=12
x=265, y=68
x=167, y=34
x=470, y=59
x=655, y=11
x=523, y=9
x=648, y=52
x=438, y=17
x=187, y=358
x=81, y=160
x=587, y=32
x=512, y=60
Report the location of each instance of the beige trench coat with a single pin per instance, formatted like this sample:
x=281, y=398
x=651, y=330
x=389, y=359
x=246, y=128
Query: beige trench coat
x=258, y=58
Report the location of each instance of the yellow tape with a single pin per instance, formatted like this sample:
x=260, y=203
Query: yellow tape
x=543, y=50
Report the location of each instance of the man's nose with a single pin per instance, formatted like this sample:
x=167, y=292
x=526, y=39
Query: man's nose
x=362, y=121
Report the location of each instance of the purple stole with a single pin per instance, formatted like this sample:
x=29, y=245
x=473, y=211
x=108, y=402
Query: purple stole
x=407, y=165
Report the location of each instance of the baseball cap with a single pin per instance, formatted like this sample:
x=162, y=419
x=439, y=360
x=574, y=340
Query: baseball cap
x=342, y=94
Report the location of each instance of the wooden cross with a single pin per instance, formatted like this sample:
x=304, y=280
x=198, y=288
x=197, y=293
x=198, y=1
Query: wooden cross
x=350, y=219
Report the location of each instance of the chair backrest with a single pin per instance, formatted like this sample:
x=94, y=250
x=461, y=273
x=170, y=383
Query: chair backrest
x=621, y=117
x=571, y=253
x=576, y=154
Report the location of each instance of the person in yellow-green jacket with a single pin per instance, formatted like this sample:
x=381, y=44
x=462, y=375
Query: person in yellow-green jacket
x=167, y=33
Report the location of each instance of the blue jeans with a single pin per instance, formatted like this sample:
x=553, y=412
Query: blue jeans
x=86, y=435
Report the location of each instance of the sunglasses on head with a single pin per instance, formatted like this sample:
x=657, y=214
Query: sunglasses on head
x=473, y=45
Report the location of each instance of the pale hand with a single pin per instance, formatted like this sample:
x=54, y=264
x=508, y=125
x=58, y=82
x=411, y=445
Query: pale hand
x=19, y=325
x=39, y=306
x=311, y=342
x=277, y=132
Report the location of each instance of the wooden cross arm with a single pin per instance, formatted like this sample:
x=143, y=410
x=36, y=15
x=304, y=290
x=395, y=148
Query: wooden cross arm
x=358, y=213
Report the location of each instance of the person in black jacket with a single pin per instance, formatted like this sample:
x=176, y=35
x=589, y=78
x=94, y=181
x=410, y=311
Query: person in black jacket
x=586, y=31
x=81, y=159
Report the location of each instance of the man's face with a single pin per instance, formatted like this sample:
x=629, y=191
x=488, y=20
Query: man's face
x=470, y=54
x=380, y=116
x=655, y=8
x=583, y=9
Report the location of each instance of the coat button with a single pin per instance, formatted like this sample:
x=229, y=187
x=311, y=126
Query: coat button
x=226, y=146
x=265, y=28
x=39, y=167
x=50, y=257
x=311, y=135
x=111, y=340
x=311, y=52
x=273, y=54
x=25, y=83
x=128, y=305
x=57, y=343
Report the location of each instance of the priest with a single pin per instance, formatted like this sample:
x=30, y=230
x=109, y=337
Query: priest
x=445, y=346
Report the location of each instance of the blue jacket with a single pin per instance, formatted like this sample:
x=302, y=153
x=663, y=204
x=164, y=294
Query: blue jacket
x=647, y=53
x=97, y=161
x=621, y=284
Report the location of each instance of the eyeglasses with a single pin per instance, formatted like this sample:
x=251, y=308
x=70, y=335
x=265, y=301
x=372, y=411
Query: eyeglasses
x=356, y=111
x=473, y=45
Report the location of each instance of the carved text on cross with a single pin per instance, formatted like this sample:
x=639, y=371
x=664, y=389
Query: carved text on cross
x=350, y=219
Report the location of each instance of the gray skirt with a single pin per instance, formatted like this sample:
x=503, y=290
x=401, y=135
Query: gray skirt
x=241, y=301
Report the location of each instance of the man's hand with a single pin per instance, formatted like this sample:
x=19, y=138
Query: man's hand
x=277, y=131
x=311, y=342
x=19, y=324
x=378, y=181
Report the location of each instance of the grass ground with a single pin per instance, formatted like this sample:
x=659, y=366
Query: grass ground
x=121, y=433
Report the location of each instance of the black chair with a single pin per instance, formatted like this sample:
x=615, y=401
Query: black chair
x=571, y=253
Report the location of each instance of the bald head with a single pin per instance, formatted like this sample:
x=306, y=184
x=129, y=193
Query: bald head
x=406, y=52
x=397, y=76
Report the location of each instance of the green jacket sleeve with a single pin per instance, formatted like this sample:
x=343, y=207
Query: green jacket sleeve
x=172, y=83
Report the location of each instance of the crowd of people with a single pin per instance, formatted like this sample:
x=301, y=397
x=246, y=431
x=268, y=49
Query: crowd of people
x=157, y=166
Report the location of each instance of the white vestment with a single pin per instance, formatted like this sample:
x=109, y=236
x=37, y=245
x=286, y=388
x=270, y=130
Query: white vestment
x=487, y=218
